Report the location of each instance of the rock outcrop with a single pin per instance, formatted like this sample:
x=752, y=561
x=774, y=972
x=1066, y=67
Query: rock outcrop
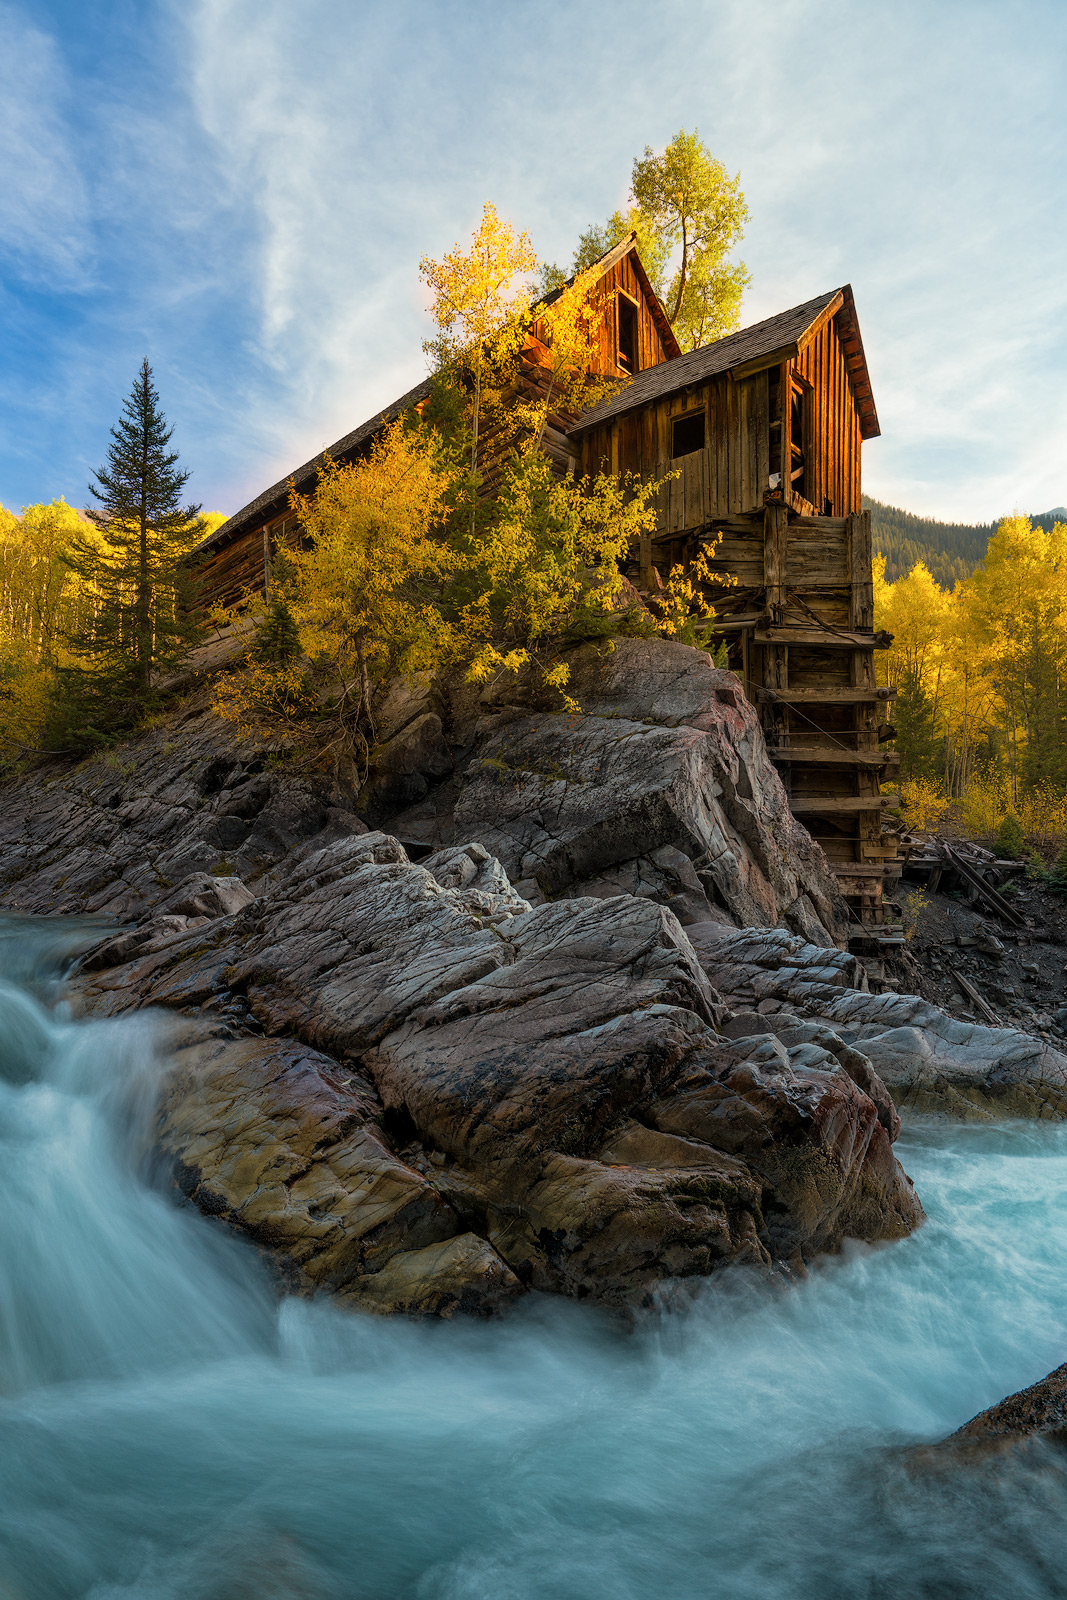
x=1021, y=1428
x=661, y=788
x=929, y=1060
x=488, y=1095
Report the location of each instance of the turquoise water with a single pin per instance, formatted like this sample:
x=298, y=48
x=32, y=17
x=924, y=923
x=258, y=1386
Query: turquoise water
x=168, y=1429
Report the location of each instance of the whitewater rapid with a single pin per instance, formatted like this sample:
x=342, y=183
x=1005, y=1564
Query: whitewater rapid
x=168, y=1428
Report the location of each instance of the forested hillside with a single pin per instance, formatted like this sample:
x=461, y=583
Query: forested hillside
x=950, y=550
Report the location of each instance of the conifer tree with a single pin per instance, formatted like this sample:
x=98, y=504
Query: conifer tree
x=144, y=618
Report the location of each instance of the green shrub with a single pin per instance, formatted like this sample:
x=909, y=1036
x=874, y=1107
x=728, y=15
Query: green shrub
x=1008, y=839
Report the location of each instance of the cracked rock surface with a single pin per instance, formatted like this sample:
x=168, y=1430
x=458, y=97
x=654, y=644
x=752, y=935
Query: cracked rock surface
x=459, y=1096
x=929, y=1060
x=661, y=787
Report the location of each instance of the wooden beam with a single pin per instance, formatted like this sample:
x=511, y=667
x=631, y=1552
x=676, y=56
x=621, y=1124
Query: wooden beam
x=830, y=639
x=775, y=523
x=746, y=369
x=861, y=599
x=829, y=696
x=829, y=804
x=726, y=622
x=827, y=756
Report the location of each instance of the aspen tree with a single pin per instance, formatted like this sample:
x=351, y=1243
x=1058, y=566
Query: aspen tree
x=688, y=214
x=480, y=300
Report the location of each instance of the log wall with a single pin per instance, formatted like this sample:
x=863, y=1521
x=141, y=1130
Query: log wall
x=752, y=429
x=798, y=624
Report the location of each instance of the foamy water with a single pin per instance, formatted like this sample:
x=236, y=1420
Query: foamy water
x=168, y=1429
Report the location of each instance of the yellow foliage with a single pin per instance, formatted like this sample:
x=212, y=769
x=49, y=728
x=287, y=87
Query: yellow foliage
x=549, y=565
x=475, y=294
x=985, y=803
x=367, y=593
x=913, y=903
x=683, y=610
x=266, y=699
x=480, y=305
x=1042, y=811
x=41, y=598
x=570, y=329
x=924, y=803
x=983, y=671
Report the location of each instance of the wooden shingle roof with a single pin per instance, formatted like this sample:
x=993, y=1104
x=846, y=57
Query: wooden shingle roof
x=276, y=498
x=305, y=477
x=775, y=339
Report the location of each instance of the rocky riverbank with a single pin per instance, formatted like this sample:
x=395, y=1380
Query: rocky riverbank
x=424, y=1089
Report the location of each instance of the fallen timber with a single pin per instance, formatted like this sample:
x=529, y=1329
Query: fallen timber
x=968, y=867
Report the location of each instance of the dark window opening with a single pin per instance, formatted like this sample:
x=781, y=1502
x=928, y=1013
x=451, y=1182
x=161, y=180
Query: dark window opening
x=687, y=434
x=774, y=412
x=627, y=314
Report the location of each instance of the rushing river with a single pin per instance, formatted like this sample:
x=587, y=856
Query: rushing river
x=168, y=1429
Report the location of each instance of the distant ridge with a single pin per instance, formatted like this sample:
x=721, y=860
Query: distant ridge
x=951, y=550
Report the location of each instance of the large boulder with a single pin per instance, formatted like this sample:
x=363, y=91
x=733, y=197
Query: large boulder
x=661, y=786
x=490, y=1095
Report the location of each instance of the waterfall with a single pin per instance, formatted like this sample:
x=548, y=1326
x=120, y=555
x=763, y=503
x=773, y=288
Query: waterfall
x=170, y=1426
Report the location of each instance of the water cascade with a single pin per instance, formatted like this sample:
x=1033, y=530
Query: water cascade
x=169, y=1427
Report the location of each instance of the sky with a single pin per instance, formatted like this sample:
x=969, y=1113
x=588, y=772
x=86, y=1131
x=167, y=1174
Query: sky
x=242, y=190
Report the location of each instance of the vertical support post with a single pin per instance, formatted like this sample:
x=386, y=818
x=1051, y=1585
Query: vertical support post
x=861, y=572
x=775, y=525
x=776, y=713
x=266, y=562
x=644, y=562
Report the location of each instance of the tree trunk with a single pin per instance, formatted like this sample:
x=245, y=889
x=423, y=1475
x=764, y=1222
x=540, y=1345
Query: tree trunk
x=364, y=691
x=144, y=592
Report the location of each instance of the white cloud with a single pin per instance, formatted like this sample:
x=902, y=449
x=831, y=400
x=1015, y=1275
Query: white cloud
x=44, y=212
x=904, y=147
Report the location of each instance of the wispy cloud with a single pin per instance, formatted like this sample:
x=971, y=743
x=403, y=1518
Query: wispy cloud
x=248, y=189
x=45, y=221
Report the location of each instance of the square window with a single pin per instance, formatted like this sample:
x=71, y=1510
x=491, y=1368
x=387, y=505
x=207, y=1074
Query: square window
x=687, y=434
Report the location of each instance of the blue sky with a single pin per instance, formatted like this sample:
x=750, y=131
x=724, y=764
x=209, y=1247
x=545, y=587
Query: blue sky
x=242, y=189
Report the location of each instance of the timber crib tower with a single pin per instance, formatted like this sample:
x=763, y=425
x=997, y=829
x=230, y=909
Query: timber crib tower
x=763, y=430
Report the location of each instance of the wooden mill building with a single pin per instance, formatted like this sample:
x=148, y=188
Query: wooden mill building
x=762, y=432
x=634, y=336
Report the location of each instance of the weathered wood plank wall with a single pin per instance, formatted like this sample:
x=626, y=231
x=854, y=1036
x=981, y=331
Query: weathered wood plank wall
x=832, y=427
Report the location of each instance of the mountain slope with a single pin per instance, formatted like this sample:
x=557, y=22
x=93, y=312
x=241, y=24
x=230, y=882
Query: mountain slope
x=951, y=550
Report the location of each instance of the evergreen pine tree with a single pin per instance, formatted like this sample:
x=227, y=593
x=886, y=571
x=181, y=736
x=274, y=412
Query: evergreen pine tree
x=278, y=636
x=1008, y=839
x=145, y=619
x=915, y=717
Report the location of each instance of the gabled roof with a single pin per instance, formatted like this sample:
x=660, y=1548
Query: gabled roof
x=605, y=263
x=305, y=477
x=776, y=339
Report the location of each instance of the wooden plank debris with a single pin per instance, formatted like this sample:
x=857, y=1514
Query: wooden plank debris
x=976, y=999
